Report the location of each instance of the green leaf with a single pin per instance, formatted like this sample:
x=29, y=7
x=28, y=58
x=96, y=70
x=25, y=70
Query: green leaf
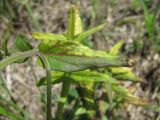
x=91, y=77
x=123, y=73
x=115, y=49
x=88, y=33
x=45, y=37
x=78, y=22
x=21, y=44
x=71, y=56
x=9, y=114
x=56, y=77
x=86, y=76
x=71, y=23
x=75, y=23
x=17, y=56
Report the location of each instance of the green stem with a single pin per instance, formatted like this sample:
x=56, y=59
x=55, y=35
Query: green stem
x=63, y=98
x=49, y=94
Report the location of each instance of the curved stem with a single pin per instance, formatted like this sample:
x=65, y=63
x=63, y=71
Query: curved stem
x=63, y=98
x=49, y=94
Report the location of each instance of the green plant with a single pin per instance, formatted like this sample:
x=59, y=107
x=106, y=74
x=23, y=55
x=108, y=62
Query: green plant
x=69, y=62
x=151, y=23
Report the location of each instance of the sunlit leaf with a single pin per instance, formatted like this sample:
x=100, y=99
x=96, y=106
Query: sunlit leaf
x=86, y=76
x=123, y=73
x=116, y=48
x=91, y=77
x=135, y=100
x=89, y=32
x=78, y=22
x=75, y=24
x=45, y=37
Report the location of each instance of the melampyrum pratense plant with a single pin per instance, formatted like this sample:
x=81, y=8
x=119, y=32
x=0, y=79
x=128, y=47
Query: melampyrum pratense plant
x=67, y=61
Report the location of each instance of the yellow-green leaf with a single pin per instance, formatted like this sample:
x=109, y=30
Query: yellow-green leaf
x=75, y=23
x=115, y=49
x=88, y=33
x=78, y=23
x=45, y=37
x=86, y=76
x=124, y=73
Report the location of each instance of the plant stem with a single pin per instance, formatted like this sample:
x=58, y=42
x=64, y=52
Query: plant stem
x=63, y=98
x=49, y=94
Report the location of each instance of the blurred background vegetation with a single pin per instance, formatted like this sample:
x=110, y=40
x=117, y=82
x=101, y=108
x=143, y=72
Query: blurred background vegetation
x=135, y=21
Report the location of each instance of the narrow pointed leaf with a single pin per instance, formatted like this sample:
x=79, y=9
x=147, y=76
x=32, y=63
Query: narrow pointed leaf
x=92, y=77
x=128, y=97
x=45, y=37
x=9, y=114
x=21, y=44
x=56, y=78
x=135, y=100
x=123, y=73
x=88, y=33
x=80, y=77
x=78, y=22
x=71, y=23
x=17, y=56
x=75, y=23
x=116, y=48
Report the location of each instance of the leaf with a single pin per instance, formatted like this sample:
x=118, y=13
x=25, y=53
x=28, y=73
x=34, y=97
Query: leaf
x=78, y=22
x=17, y=56
x=71, y=31
x=45, y=37
x=123, y=73
x=69, y=56
x=115, y=49
x=135, y=100
x=9, y=114
x=86, y=76
x=88, y=33
x=128, y=97
x=56, y=77
x=91, y=77
x=75, y=23
x=21, y=44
